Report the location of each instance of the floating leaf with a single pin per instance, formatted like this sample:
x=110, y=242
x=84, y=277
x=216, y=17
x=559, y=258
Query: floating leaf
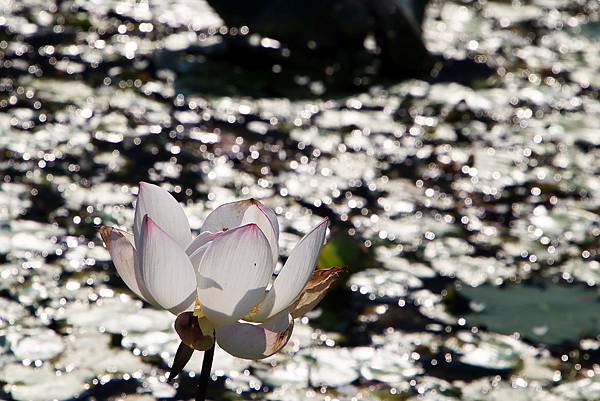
x=542, y=311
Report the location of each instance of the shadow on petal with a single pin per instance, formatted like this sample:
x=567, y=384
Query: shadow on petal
x=186, y=304
x=233, y=274
x=207, y=282
x=242, y=308
x=250, y=341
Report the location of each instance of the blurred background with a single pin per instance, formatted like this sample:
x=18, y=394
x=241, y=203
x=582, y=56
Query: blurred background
x=454, y=146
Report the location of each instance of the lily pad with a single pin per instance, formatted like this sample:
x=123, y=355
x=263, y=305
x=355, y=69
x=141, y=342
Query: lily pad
x=382, y=284
x=390, y=367
x=483, y=390
x=583, y=389
x=31, y=384
x=35, y=344
x=542, y=311
x=117, y=317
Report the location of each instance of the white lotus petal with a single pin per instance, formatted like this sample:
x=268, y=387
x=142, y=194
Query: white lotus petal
x=256, y=341
x=196, y=256
x=235, y=214
x=199, y=245
x=257, y=216
x=294, y=275
x=167, y=272
x=122, y=252
x=234, y=273
x=164, y=210
x=202, y=239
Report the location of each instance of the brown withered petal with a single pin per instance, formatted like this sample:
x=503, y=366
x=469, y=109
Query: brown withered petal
x=314, y=291
x=190, y=333
x=182, y=356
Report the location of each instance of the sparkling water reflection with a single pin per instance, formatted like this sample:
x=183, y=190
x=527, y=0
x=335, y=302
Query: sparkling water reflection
x=480, y=177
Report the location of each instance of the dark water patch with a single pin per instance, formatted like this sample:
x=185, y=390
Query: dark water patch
x=446, y=365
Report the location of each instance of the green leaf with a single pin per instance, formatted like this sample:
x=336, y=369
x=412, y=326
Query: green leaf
x=541, y=311
x=341, y=251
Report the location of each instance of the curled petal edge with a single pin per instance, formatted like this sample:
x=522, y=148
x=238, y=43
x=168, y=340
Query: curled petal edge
x=120, y=246
x=256, y=341
x=319, y=283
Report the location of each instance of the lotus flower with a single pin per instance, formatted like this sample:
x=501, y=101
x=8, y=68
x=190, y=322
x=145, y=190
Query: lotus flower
x=220, y=283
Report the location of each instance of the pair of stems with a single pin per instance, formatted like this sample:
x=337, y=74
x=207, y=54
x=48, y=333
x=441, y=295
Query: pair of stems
x=205, y=373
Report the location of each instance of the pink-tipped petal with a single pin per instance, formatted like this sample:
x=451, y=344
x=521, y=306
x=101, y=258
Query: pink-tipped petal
x=294, y=275
x=250, y=341
x=164, y=210
x=122, y=252
x=235, y=214
x=233, y=274
x=255, y=215
x=166, y=270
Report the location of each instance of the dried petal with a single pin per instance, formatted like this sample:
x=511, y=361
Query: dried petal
x=316, y=288
x=190, y=332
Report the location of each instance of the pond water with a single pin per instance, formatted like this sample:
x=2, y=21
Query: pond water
x=465, y=205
